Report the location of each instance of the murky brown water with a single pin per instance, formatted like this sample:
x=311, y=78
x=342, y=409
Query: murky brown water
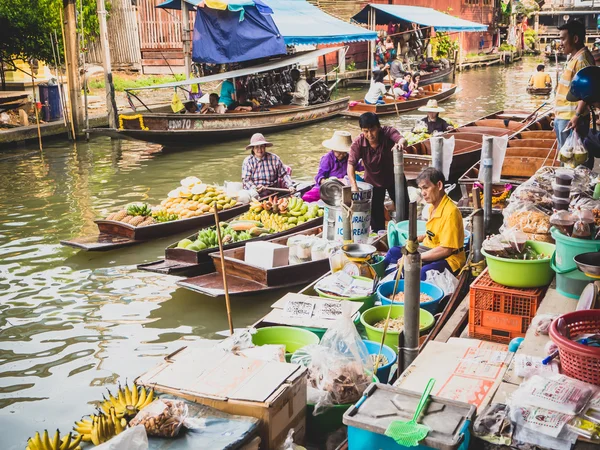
x=71, y=323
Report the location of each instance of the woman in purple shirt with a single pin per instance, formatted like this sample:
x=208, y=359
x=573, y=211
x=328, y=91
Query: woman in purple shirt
x=333, y=164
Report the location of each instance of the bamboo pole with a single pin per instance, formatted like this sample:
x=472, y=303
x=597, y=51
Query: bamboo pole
x=37, y=116
x=225, y=288
x=62, y=28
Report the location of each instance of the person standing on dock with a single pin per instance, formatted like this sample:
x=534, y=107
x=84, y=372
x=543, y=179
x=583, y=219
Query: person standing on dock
x=374, y=147
x=572, y=115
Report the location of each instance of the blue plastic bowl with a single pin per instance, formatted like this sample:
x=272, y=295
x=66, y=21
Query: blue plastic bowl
x=383, y=372
x=384, y=291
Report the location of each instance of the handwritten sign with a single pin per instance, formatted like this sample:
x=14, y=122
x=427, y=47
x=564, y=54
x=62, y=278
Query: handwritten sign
x=299, y=309
x=328, y=310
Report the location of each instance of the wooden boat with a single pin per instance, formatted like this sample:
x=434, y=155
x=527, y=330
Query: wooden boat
x=539, y=91
x=113, y=235
x=183, y=262
x=468, y=139
x=526, y=153
x=246, y=279
x=436, y=91
x=191, y=129
x=426, y=78
x=552, y=56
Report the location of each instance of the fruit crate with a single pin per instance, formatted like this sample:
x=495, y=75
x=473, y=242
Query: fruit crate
x=498, y=313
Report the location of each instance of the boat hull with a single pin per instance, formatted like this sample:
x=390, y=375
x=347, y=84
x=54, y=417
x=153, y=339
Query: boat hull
x=539, y=91
x=183, y=130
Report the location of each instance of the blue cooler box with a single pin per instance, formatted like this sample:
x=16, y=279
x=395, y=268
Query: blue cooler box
x=449, y=420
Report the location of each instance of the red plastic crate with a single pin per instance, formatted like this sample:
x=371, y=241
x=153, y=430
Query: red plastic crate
x=498, y=313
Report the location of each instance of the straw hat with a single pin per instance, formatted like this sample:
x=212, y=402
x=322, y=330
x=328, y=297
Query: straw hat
x=258, y=139
x=432, y=106
x=339, y=142
x=205, y=99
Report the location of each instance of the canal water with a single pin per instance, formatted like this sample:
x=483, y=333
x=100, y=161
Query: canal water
x=73, y=324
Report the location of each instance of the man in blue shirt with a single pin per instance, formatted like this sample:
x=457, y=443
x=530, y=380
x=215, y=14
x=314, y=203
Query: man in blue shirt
x=227, y=95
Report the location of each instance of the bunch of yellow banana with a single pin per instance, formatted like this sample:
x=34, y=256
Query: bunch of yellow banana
x=100, y=428
x=69, y=442
x=128, y=402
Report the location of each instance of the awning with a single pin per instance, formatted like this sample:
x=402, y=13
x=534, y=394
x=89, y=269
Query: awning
x=264, y=67
x=299, y=23
x=427, y=17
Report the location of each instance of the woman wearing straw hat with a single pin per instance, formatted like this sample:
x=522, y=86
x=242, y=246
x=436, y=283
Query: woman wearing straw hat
x=433, y=122
x=261, y=169
x=334, y=163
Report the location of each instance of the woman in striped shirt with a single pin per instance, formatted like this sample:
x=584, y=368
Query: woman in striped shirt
x=262, y=169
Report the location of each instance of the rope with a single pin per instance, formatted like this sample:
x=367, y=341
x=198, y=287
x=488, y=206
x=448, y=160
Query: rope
x=475, y=268
x=411, y=246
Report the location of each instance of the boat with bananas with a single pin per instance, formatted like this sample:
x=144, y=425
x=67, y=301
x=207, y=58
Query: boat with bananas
x=526, y=153
x=244, y=278
x=188, y=207
x=267, y=219
x=469, y=138
x=435, y=91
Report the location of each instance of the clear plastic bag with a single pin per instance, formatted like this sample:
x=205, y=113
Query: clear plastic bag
x=573, y=153
x=541, y=427
x=493, y=424
x=583, y=227
x=528, y=218
x=516, y=240
x=339, y=368
x=133, y=438
x=445, y=281
x=162, y=418
x=541, y=323
x=563, y=221
x=319, y=250
x=556, y=393
x=531, y=192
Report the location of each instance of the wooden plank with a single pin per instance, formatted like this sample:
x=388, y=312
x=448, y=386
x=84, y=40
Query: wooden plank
x=456, y=323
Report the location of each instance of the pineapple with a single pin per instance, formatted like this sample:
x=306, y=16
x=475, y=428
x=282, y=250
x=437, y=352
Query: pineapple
x=136, y=220
x=120, y=216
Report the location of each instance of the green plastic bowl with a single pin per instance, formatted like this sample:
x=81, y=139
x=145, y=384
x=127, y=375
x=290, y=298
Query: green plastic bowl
x=321, y=331
x=522, y=274
x=293, y=338
x=374, y=315
x=368, y=302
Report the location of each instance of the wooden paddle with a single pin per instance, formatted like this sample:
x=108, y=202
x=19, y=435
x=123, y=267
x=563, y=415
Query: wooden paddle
x=220, y=240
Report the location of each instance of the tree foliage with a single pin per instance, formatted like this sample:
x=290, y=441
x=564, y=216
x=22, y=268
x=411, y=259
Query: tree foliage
x=26, y=26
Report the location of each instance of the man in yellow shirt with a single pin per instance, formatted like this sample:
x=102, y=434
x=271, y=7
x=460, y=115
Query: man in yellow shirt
x=572, y=115
x=443, y=244
x=540, y=79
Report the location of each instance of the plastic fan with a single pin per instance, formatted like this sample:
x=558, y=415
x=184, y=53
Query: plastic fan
x=410, y=433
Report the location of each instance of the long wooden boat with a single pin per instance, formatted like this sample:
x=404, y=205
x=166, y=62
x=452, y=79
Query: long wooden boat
x=113, y=234
x=526, y=153
x=191, y=129
x=436, y=91
x=187, y=263
x=539, y=91
x=246, y=279
x=426, y=78
x=468, y=140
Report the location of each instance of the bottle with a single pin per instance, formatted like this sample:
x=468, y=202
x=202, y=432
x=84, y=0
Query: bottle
x=597, y=192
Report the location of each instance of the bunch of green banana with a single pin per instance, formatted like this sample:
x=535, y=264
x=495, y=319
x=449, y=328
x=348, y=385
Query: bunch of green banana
x=128, y=401
x=69, y=442
x=100, y=428
x=139, y=210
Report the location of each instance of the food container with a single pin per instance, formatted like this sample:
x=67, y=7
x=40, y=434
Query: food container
x=561, y=191
x=519, y=273
x=561, y=204
x=377, y=313
x=383, y=372
x=384, y=292
x=367, y=302
x=564, y=179
x=293, y=338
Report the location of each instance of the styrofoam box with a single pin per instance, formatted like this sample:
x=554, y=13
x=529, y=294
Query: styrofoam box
x=267, y=254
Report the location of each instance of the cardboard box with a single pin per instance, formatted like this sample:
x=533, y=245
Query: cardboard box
x=274, y=393
x=267, y=254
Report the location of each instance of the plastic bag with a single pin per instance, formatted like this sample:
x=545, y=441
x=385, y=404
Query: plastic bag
x=499, y=152
x=528, y=218
x=445, y=281
x=288, y=444
x=541, y=427
x=493, y=424
x=516, y=240
x=340, y=367
x=573, y=153
x=162, y=417
x=582, y=228
x=556, y=393
x=319, y=250
x=563, y=221
x=531, y=192
x=541, y=323
x=133, y=438
x=240, y=339
x=526, y=366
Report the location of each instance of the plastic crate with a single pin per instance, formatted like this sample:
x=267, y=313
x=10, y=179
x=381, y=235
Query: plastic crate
x=498, y=313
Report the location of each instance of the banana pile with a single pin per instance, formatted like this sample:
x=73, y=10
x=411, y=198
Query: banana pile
x=99, y=428
x=190, y=205
x=235, y=231
x=282, y=214
x=128, y=402
x=136, y=215
x=69, y=442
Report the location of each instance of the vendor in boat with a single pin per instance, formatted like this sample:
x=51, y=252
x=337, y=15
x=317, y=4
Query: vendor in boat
x=377, y=89
x=433, y=122
x=442, y=246
x=334, y=164
x=540, y=79
x=374, y=147
x=227, y=95
x=301, y=92
x=414, y=84
x=262, y=169
x=213, y=106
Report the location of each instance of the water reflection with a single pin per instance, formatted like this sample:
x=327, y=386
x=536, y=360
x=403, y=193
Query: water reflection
x=74, y=323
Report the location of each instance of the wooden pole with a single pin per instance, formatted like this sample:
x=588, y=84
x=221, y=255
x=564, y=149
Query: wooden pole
x=185, y=34
x=84, y=70
x=71, y=45
x=111, y=104
x=225, y=288
x=37, y=116
x=69, y=84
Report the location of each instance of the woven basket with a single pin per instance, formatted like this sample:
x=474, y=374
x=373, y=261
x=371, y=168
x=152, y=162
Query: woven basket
x=577, y=360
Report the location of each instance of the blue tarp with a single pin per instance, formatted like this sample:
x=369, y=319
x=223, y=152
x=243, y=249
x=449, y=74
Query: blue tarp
x=299, y=22
x=220, y=37
x=427, y=17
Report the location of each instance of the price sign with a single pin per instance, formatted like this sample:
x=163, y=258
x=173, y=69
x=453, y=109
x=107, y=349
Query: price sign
x=328, y=310
x=299, y=309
